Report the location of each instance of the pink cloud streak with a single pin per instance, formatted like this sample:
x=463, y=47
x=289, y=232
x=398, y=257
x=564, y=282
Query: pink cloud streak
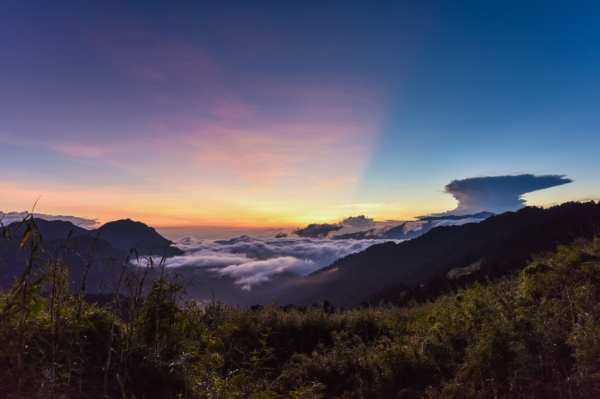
x=204, y=126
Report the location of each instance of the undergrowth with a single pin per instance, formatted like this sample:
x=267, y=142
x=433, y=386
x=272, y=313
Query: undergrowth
x=536, y=335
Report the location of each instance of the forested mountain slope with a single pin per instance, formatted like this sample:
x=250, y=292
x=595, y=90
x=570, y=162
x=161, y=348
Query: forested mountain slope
x=502, y=243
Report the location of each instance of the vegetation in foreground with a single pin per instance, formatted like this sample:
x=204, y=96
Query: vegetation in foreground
x=532, y=335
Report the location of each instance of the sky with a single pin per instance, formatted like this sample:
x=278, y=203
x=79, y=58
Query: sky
x=280, y=114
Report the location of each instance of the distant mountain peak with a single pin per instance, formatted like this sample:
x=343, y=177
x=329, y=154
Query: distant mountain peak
x=128, y=234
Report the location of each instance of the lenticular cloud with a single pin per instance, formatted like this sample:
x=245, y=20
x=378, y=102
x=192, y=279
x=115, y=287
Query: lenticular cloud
x=251, y=261
x=498, y=193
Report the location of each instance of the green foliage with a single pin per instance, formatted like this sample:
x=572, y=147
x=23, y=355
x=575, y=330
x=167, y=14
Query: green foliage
x=532, y=335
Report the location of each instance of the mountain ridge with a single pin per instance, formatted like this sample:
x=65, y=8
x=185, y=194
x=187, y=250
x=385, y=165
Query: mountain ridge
x=504, y=241
x=410, y=230
x=123, y=234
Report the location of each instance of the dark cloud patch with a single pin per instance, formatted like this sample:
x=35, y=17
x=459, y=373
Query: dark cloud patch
x=10, y=217
x=315, y=230
x=281, y=235
x=358, y=221
x=498, y=193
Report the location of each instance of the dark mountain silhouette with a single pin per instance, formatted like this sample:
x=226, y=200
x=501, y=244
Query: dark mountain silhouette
x=105, y=250
x=127, y=234
x=404, y=230
x=51, y=230
x=121, y=234
x=501, y=243
x=480, y=215
x=77, y=251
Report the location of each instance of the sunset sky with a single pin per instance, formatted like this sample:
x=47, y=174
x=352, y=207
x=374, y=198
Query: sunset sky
x=284, y=113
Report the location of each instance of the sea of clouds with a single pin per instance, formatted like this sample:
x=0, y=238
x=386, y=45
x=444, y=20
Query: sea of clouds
x=252, y=260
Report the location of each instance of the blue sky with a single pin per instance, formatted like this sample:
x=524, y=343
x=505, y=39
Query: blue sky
x=284, y=113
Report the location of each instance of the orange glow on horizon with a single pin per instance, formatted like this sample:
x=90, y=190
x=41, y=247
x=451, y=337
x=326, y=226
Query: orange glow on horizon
x=108, y=204
x=113, y=203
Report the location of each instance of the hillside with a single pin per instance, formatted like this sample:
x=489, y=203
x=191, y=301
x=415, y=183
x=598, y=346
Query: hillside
x=121, y=234
x=105, y=250
x=502, y=243
x=50, y=230
x=534, y=335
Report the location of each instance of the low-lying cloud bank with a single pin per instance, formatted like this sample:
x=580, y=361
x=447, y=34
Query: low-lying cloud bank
x=10, y=217
x=251, y=261
x=419, y=225
x=315, y=230
x=349, y=224
x=410, y=230
x=358, y=221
